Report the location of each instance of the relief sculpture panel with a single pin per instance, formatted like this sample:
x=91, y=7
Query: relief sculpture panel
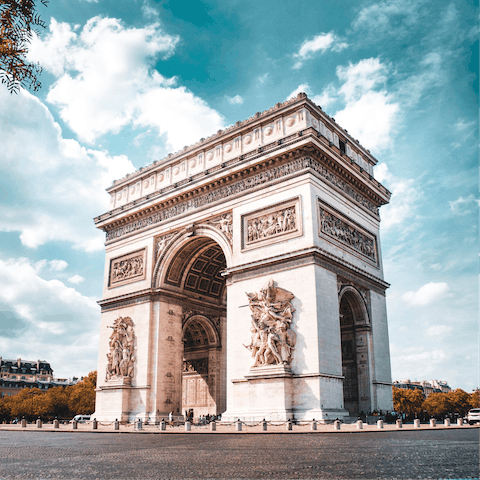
x=273, y=340
x=127, y=268
x=354, y=237
x=120, y=359
x=279, y=222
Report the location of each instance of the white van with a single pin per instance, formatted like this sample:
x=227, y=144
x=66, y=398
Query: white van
x=81, y=418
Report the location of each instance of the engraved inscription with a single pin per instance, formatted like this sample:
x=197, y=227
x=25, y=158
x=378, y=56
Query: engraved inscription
x=335, y=227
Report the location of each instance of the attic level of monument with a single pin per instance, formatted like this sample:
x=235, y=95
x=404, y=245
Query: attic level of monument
x=234, y=166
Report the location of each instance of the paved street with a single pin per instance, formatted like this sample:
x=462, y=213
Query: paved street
x=366, y=455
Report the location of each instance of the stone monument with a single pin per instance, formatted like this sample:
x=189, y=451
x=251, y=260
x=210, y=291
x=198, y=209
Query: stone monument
x=243, y=277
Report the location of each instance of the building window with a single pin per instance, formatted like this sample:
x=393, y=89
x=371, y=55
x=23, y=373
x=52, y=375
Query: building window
x=342, y=146
x=14, y=377
x=23, y=377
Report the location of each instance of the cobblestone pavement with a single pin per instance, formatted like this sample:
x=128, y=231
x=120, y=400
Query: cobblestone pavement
x=429, y=453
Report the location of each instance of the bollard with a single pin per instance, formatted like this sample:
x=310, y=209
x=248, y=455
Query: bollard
x=56, y=424
x=74, y=425
x=459, y=422
x=140, y=424
x=399, y=424
x=314, y=425
x=213, y=426
x=433, y=422
x=116, y=425
x=188, y=426
x=447, y=422
x=239, y=425
x=163, y=425
x=379, y=423
x=336, y=425
x=39, y=423
x=416, y=423
x=24, y=423
x=95, y=424
x=264, y=425
x=289, y=425
x=359, y=425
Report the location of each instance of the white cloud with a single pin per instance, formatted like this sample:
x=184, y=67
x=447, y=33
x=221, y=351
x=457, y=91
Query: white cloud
x=327, y=97
x=106, y=82
x=58, y=265
x=59, y=185
x=319, y=43
x=370, y=112
x=426, y=294
x=464, y=206
x=404, y=199
x=236, y=100
x=438, y=330
x=76, y=279
x=418, y=362
x=390, y=18
x=55, y=315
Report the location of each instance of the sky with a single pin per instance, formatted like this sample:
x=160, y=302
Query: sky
x=126, y=83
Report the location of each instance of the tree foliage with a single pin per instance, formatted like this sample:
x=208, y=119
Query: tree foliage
x=412, y=403
x=408, y=402
x=59, y=402
x=18, y=22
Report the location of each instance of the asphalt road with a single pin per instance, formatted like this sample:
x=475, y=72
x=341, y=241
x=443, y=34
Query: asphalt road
x=380, y=455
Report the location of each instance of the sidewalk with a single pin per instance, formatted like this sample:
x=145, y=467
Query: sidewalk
x=107, y=427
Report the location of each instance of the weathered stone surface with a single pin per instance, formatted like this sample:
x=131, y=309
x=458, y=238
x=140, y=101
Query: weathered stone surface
x=271, y=207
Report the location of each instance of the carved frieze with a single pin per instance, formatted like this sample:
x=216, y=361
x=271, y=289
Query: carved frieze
x=127, y=268
x=276, y=223
x=347, y=233
x=223, y=223
x=121, y=359
x=273, y=340
x=237, y=187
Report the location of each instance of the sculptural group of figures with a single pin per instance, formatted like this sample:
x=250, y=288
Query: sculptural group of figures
x=337, y=228
x=268, y=225
x=120, y=359
x=127, y=268
x=273, y=341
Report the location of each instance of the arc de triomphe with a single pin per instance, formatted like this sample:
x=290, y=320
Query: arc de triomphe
x=243, y=277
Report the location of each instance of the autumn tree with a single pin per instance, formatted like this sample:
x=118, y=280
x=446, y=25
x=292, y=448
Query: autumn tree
x=474, y=400
x=437, y=404
x=82, y=395
x=409, y=402
x=459, y=401
x=18, y=22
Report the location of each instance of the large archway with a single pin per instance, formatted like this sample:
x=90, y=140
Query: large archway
x=191, y=271
x=354, y=327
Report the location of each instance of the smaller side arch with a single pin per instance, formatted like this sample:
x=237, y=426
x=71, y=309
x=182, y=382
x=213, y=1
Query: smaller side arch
x=206, y=324
x=358, y=305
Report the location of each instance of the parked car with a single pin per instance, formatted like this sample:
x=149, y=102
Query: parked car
x=473, y=416
x=81, y=418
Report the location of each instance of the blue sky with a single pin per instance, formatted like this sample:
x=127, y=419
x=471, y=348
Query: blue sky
x=126, y=83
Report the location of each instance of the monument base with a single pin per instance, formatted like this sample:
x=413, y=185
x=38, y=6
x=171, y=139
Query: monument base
x=276, y=394
x=115, y=398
